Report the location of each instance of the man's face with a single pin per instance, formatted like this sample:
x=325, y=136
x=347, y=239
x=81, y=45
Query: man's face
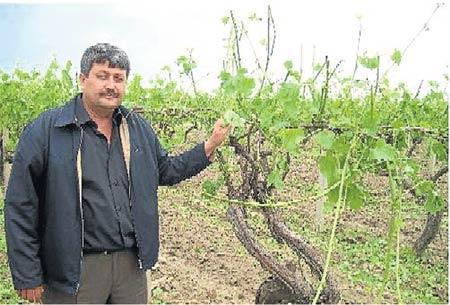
x=104, y=87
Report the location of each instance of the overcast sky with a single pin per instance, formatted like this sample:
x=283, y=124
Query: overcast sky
x=155, y=33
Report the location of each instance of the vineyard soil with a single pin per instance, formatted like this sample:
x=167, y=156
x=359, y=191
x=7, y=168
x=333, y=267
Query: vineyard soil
x=202, y=261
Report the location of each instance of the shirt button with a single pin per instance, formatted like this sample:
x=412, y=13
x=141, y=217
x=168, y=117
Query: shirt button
x=115, y=183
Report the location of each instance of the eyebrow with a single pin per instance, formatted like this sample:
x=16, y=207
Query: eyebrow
x=106, y=72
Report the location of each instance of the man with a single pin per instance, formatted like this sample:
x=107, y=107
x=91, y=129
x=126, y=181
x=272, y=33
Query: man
x=81, y=212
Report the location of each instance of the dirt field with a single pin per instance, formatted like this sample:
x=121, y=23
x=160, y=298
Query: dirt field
x=201, y=260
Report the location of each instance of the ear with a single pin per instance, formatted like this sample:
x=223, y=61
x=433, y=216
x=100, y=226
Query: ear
x=82, y=80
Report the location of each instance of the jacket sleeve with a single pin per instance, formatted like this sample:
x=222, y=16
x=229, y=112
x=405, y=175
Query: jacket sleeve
x=22, y=209
x=173, y=169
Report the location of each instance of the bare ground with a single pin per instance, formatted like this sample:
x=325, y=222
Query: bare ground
x=201, y=260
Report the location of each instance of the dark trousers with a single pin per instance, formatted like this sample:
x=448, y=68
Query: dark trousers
x=113, y=278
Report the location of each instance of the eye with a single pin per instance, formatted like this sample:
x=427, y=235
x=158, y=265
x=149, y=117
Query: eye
x=119, y=79
x=102, y=76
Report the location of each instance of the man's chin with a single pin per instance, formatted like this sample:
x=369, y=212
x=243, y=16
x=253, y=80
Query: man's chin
x=109, y=103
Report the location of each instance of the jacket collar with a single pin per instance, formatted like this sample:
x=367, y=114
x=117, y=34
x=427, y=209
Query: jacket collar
x=68, y=114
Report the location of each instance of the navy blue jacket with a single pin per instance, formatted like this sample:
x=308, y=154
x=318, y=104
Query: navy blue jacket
x=43, y=215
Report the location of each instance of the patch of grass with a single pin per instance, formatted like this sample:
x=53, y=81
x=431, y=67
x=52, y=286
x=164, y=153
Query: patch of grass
x=362, y=263
x=157, y=296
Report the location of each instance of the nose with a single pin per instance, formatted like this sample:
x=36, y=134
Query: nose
x=109, y=84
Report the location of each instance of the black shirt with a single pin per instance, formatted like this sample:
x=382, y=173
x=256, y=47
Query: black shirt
x=108, y=222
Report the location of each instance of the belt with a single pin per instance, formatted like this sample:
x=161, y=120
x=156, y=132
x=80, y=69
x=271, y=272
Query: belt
x=106, y=252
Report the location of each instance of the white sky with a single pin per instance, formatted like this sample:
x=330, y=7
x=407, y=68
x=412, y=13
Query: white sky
x=155, y=33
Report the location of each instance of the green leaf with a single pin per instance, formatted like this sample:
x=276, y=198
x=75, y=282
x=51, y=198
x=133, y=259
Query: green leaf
x=325, y=139
x=440, y=150
x=383, y=151
x=240, y=83
x=288, y=96
x=328, y=167
x=209, y=187
x=212, y=186
x=425, y=188
x=396, y=57
x=275, y=179
x=224, y=76
x=433, y=200
x=340, y=145
x=232, y=118
x=410, y=167
x=332, y=197
x=369, y=62
x=397, y=124
x=434, y=203
x=355, y=197
x=186, y=63
x=227, y=83
x=290, y=139
x=244, y=84
x=288, y=65
x=371, y=124
x=266, y=117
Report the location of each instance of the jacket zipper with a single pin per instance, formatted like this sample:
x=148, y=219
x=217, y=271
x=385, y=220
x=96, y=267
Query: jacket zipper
x=80, y=194
x=125, y=136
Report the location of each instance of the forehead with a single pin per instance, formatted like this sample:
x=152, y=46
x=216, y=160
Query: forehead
x=104, y=67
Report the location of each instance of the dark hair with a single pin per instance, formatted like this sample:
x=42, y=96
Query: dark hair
x=101, y=53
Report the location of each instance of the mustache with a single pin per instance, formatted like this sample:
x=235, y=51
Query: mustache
x=109, y=93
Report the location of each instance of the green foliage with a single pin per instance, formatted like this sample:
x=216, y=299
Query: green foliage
x=239, y=84
x=232, y=118
x=439, y=149
x=157, y=296
x=433, y=199
x=288, y=65
x=383, y=151
x=328, y=166
x=325, y=139
x=369, y=62
x=275, y=179
x=290, y=139
x=212, y=186
x=26, y=94
x=355, y=196
x=186, y=63
x=396, y=57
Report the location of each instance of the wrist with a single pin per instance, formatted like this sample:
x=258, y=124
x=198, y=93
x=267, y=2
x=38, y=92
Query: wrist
x=209, y=149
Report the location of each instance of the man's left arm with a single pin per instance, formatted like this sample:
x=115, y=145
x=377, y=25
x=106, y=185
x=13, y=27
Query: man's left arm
x=173, y=169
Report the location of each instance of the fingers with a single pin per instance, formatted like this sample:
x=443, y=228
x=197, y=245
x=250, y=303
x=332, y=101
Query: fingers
x=220, y=124
x=23, y=293
x=222, y=127
x=221, y=131
x=33, y=295
x=27, y=294
x=38, y=294
x=30, y=295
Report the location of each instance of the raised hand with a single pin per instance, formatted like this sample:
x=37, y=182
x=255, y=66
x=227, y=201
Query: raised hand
x=219, y=134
